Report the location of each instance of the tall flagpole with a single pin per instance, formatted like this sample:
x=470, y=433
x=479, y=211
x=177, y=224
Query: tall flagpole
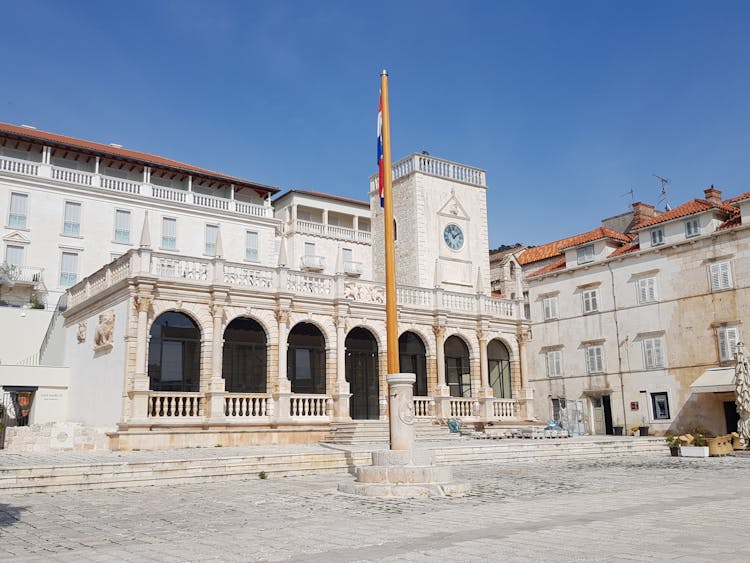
x=391, y=314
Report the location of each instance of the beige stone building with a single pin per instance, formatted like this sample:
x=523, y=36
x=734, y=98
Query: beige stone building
x=637, y=327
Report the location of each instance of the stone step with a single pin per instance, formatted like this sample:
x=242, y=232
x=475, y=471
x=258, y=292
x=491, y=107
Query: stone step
x=360, y=432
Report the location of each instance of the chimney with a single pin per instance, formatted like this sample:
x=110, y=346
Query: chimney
x=713, y=196
x=642, y=212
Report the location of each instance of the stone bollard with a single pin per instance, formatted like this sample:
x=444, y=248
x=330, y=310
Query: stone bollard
x=401, y=410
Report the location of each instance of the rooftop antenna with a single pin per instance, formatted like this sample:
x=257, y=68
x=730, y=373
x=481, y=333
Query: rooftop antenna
x=663, y=193
x=631, y=193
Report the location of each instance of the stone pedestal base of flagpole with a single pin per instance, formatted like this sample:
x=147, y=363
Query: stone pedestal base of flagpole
x=403, y=471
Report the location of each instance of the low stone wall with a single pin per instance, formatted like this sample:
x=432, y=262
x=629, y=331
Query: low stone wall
x=56, y=436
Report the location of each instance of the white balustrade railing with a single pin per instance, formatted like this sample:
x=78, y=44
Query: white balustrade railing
x=175, y=405
x=439, y=167
x=504, y=408
x=312, y=262
x=248, y=405
x=459, y=301
x=424, y=407
x=499, y=307
x=364, y=236
x=414, y=297
x=309, y=406
x=169, y=194
x=256, y=277
x=353, y=268
x=72, y=176
x=180, y=268
x=17, y=166
x=211, y=201
x=23, y=274
x=332, y=231
x=118, y=185
x=461, y=407
x=310, y=227
x=309, y=284
x=253, y=209
x=345, y=233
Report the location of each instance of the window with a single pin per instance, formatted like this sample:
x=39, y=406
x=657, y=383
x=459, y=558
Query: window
x=558, y=409
x=212, y=232
x=653, y=352
x=586, y=254
x=550, y=308
x=591, y=301
x=14, y=255
x=728, y=336
x=594, y=359
x=660, y=405
x=68, y=269
x=251, y=246
x=721, y=276
x=657, y=237
x=122, y=226
x=72, y=219
x=17, y=217
x=692, y=228
x=309, y=249
x=346, y=255
x=647, y=290
x=169, y=234
x=554, y=363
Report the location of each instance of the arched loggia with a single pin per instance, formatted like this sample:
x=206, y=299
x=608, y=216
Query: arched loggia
x=412, y=359
x=306, y=359
x=362, y=374
x=244, y=357
x=498, y=367
x=457, y=370
x=174, y=353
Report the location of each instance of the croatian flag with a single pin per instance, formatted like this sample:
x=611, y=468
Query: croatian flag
x=381, y=172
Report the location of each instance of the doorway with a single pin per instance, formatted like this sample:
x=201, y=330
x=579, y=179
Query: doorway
x=362, y=375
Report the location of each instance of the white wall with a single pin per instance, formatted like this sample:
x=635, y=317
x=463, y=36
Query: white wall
x=51, y=399
x=22, y=332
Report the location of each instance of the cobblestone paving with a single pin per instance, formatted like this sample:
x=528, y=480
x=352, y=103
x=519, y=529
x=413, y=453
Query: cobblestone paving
x=613, y=509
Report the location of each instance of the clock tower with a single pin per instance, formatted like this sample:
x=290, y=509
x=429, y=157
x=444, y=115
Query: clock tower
x=440, y=208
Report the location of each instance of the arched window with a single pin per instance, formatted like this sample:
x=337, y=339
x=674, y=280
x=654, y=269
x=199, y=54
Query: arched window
x=244, y=357
x=412, y=359
x=306, y=359
x=498, y=364
x=457, y=371
x=174, y=353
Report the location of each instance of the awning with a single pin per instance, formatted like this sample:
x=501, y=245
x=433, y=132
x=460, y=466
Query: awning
x=715, y=380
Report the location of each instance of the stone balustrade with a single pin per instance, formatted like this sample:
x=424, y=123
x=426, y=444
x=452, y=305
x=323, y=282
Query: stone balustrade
x=438, y=167
x=310, y=406
x=504, y=409
x=282, y=280
x=248, y=406
x=21, y=274
x=424, y=407
x=151, y=191
x=175, y=405
x=331, y=231
x=461, y=407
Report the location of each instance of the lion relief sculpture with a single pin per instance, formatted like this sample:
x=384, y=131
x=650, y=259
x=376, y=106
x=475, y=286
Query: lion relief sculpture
x=105, y=331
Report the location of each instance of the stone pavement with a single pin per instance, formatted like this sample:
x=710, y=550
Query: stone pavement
x=613, y=509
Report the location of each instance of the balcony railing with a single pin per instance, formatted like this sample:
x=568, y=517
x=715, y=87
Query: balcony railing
x=10, y=274
x=88, y=179
x=438, y=167
x=331, y=231
x=263, y=279
x=313, y=263
x=353, y=268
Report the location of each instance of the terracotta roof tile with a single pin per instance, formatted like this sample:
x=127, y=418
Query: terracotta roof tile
x=688, y=208
x=738, y=198
x=551, y=249
x=558, y=264
x=632, y=246
x=733, y=221
x=34, y=135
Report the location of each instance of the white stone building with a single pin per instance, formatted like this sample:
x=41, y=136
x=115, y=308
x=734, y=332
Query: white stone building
x=198, y=312
x=638, y=327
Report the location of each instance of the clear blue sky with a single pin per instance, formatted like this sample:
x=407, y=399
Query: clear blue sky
x=566, y=104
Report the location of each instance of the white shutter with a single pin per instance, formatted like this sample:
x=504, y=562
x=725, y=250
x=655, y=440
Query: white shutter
x=122, y=226
x=594, y=359
x=647, y=290
x=590, y=301
x=721, y=276
x=212, y=232
x=68, y=269
x=550, y=308
x=309, y=249
x=251, y=246
x=554, y=363
x=728, y=338
x=14, y=255
x=169, y=233
x=18, y=209
x=72, y=219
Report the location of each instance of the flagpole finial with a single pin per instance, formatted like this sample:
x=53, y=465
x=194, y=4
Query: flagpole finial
x=384, y=73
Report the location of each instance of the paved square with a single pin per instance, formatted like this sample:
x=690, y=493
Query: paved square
x=613, y=509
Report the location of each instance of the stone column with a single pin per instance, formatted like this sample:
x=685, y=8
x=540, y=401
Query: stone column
x=485, y=391
x=140, y=384
x=441, y=392
x=401, y=410
x=215, y=390
x=283, y=389
x=524, y=337
x=341, y=392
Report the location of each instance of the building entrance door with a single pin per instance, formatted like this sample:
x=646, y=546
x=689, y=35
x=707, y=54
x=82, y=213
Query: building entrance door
x=598, y=415
x=731, y=416
x=362, y=375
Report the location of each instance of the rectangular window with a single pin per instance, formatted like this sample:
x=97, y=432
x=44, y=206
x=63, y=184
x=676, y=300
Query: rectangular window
x=72, y=219
x=212, y=233
x=550, y=308
x=554, y=363
x=653, y=351
x=346, y=255
x=692, y=228
x=251, y=246
x=14, y=255
x=169, y=233
x=660, y=404
x=68, y=269
x=586, y=254
x=594, y=359
x=309, y=249
x=657, y=237
x=721, y=276
x=122, y=226
x=728, y=337
x=17, y=216
x=647, y=290
x=591, y=301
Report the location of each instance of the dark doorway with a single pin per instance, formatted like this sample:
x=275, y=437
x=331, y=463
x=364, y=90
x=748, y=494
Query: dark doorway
x=362, y=374
x=412, y=359
x=244, y=357
x=174, y=353
x=607, y=415
x=498, y=363
x=731, y=416
x=457, y=371
x=306, y=359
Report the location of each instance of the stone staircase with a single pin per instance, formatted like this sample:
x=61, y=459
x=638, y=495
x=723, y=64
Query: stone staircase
x=376, y=431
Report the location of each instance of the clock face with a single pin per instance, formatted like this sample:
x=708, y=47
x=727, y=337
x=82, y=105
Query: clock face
x=453, y=236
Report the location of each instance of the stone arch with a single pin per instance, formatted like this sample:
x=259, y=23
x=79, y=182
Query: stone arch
x=306, y=358
x=323, y=324
x=244, y=356
x=266, y=321
x=426, y=334
x=499, y=369
x=362, y=373
x=412, y=353
x=457, y=366
x=174, y=352
x=198, y=314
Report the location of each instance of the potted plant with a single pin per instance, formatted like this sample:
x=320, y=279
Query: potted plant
x=674, y=444
x=694, y=444
x=635, y=430
x=617, y=430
